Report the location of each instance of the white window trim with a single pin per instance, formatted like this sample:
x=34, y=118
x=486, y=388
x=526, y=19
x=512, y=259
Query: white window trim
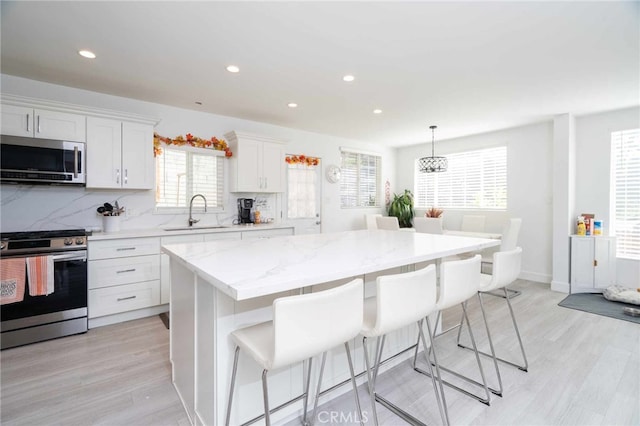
x=185, y=210
x=379, y=203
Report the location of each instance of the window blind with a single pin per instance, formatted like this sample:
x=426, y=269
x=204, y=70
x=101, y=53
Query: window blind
x=474, y=180
x=626, y=192
x=360, y=180
x=180, y=174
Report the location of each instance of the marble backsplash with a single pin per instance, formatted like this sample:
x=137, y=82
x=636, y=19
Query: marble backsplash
x=40, y=207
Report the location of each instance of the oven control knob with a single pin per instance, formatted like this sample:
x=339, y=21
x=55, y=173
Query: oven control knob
x=68, y=241
x=79, y=241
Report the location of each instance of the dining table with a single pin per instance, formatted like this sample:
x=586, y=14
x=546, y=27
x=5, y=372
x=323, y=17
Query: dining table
x=220, y=286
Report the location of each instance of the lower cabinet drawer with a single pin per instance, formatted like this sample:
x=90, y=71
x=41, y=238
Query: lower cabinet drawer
x=121, y=298
x=110, y=272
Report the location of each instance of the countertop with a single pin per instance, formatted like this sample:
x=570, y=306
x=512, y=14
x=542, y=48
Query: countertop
x=162, y=232
x=245, y=269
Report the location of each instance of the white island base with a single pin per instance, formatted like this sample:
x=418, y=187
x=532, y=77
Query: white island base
x=218, y=287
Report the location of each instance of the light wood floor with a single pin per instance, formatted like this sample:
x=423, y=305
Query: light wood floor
x=584, y=369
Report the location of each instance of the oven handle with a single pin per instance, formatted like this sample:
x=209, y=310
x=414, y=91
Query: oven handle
x=74, y=255
x=75, y=162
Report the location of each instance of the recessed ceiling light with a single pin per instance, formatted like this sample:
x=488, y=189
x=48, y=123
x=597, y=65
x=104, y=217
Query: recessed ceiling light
x=377, y=111
x=348, y=78
x=292, y=105
x=233, y=68
x=87, y=54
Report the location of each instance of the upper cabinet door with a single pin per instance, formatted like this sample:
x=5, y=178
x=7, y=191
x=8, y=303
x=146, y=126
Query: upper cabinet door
x=104, y=153
x=273, y=170
x=249, y=173
x=17, y=121
x=60, y=125
x=137, y=156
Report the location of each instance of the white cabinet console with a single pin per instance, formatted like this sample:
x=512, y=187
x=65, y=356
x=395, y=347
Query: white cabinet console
x=593, y=263
x=119, y=154
x=42, y=123
x=257, y=164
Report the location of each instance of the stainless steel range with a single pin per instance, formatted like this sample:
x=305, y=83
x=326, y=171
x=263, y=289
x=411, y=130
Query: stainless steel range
x=63, y=311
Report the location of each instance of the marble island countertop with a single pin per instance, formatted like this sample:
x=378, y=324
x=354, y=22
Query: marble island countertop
x=169, y=230
x=244, y=269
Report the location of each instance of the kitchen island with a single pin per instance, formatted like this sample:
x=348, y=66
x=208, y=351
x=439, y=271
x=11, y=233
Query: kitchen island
x=220, y=286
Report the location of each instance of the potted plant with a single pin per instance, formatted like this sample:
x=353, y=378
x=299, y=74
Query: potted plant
x=402, y=208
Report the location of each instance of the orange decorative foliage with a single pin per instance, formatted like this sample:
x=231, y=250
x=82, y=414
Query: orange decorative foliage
x=302, y=159
x=194, y=141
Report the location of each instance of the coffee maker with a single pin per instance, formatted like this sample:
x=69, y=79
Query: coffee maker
x=244, y=210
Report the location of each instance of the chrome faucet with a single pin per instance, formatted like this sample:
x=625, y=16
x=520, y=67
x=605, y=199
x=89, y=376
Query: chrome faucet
x=191, y=219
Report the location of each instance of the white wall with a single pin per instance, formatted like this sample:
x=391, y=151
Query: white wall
x=593, y=173
x=529, y=191
x=27, y=207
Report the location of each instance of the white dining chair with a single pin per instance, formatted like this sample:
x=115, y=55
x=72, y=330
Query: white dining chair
x=506, y=268
x=459, y=282
x=509, y=241
x=370, y=220
x=389, y=223
x=400, y=300
x=303, y=326
x=428, y=225
x=472, y=223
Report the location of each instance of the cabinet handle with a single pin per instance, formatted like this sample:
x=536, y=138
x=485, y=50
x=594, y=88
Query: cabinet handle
x=118, y=176
x=126, y=176
x=266, y=184
x=75, y=161
x=595, y=262
x=28, y=129
x=120, y=299
x=38, y=124
x=125, y=248
x=126, y=270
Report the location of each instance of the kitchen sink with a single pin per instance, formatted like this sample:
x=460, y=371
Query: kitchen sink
x=194, y=228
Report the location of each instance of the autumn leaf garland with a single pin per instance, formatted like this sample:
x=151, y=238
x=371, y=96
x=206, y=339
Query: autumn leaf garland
x=194, y=141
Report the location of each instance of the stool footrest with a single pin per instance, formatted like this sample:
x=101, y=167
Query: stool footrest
x=399, y=411
x=519, y=367
x=273, y=410
x=451, y=385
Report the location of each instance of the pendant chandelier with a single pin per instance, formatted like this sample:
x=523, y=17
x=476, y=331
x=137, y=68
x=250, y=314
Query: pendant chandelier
x=433, y=164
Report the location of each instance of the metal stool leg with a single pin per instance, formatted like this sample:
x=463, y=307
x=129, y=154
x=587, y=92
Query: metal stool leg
x=315, y=404
x=233, y=382
x=474, y=382
x=265, y=396
x=353, y=381
x=491, y=347
x=440, y=398
x=372, y=391
x=524, y=367
x=306, y=395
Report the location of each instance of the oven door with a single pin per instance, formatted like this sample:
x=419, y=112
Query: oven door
x=68, y=300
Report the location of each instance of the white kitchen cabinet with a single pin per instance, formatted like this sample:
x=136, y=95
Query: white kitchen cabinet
x=266, y=233
x=119, y=154
x=123, y=275
x=257, y=164
x=593, y=263
x=43, y=123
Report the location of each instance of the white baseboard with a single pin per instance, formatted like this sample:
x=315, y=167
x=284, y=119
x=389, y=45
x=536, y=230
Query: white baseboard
x=560, y=287
x=535, y=276
x=127, y=316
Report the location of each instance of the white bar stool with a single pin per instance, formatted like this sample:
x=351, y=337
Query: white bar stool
x=303, y=326
x=400, y=300
x=459, y=282
x=506, y=268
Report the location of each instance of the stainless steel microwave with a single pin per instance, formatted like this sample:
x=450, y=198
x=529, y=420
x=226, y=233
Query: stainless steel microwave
x=44, y=161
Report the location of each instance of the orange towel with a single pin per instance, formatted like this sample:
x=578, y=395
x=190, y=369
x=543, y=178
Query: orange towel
x=40, y=275
x=12, y=273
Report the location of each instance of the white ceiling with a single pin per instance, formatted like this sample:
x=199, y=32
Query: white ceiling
x=468, y=67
